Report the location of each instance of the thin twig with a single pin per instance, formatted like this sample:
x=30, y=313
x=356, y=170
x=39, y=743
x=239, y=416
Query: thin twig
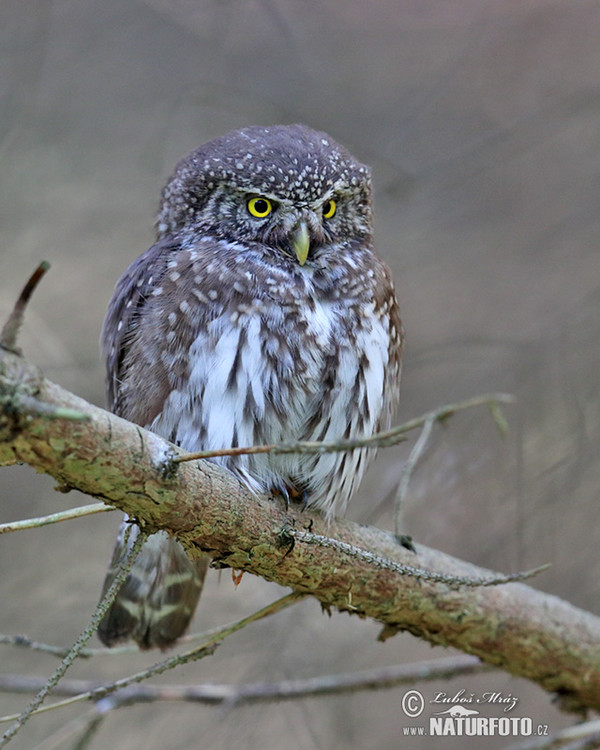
x=379, y=678
x=90, y=731
x=46, y=648
x=408, y=469
x=10, y=331
x=32, y=406
x=103, y=605
x=199, y=652
x=81, y=723
x=307, y=537
x=379, y=439
x=63, y=515
x=22, y=641
x=60, y=652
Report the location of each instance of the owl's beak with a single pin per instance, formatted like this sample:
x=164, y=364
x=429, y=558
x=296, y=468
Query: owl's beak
x=300, y=240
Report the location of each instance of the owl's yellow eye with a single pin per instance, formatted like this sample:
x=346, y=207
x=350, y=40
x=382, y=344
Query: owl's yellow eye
x=260, y=207
x=329, y=208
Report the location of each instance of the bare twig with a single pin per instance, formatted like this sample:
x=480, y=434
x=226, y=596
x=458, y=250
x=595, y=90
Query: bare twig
x=63, y=515
x=86, y=723
x=408, y=469
x=104, y=604
x=379, y=439
x=198, y=652
x=46, y=648
x=22, y=641
x=262, y=692
x=307, y=537
x=37, y=408
x=92, y=727
x=10, y=331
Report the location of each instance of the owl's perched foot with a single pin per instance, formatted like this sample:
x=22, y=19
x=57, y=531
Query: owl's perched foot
x=290, y=493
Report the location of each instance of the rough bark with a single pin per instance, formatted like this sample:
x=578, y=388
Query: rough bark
x=513, y=626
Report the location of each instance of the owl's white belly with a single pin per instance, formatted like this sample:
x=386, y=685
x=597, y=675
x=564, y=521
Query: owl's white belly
x=253, y=383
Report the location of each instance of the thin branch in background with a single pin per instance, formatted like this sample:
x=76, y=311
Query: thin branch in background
x=381, y=678
x=63, y=515
x=379, y=439
x=199, y=652
x=88, y=724
x=103, y=605
x=408, y=469
x=23, y=641
x=28, y=404
x=10, y=331
x=45, y=648
x=307, y=537
x=427, y=422
x=89, y=732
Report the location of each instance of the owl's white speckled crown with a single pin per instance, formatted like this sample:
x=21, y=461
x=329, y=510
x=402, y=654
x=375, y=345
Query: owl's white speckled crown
x=290, y=161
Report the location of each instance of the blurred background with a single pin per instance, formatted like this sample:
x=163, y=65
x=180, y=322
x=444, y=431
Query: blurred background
x=481, y=121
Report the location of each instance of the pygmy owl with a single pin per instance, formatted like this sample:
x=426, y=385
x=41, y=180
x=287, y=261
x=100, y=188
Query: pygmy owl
x=262, y=314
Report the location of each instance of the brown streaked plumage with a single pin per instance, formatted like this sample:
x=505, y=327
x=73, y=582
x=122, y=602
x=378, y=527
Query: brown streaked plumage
x=262, y=314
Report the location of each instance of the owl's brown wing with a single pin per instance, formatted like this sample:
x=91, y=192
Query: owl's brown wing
x=157, y=600
x=128, y=299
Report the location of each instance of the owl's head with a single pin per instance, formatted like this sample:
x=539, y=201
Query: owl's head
x=288, y=187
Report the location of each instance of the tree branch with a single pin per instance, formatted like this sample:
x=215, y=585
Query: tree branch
x=379, y=678
x=526, y=632
x=63, y=515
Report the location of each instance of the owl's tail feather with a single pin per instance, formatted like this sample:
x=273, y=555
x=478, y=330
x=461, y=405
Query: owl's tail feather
x=159, y=596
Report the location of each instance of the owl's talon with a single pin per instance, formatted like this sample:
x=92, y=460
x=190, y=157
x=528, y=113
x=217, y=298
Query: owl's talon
x=303, y=500
x=290, y=494
x=287, y=538
x=282, y=491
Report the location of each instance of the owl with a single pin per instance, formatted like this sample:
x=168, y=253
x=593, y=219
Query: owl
x=261, y=314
